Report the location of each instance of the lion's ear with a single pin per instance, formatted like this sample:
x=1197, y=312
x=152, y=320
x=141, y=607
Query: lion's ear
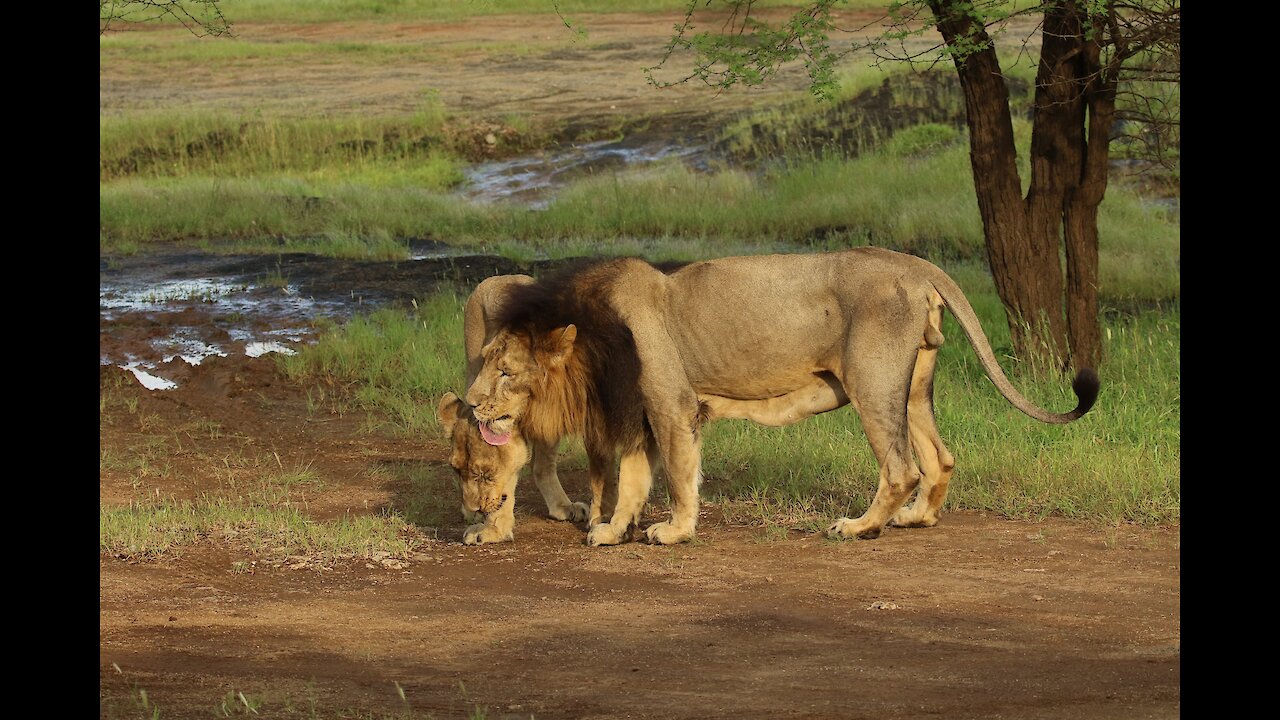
x=449, y=411
x=560, y=344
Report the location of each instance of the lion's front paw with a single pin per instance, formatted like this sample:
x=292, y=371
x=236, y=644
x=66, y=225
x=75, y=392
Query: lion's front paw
x=664, y=533
x=573, y=512
x=908, y=518
x=480, y=534
x=606, y=535
x=845, y=528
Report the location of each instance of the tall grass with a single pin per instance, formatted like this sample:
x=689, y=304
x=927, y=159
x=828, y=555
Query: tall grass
x=374, y=151
x=920, y=203
x=267, y=214
x=399, y=364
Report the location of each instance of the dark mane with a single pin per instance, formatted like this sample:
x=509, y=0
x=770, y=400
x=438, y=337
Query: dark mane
x=604, y=350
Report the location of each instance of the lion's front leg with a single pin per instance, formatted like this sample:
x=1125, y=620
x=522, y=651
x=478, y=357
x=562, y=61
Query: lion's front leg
x=682, y=454
x=635, y=477
x=604, y=485
x=671, y=407
x=559, y=506
x=490, y=531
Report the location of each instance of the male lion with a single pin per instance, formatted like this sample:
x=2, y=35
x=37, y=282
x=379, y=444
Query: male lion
x=488, y=464
x=620, y=351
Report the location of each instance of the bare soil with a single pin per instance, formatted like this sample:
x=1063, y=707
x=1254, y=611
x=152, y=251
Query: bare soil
x=978, y=617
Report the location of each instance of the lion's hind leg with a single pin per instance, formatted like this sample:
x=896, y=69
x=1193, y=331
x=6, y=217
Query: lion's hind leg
x=880, y=390
x=936, y=462
x=822, y=395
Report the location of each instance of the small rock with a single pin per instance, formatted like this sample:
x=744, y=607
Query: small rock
x=883, y=605
x=1037, y=598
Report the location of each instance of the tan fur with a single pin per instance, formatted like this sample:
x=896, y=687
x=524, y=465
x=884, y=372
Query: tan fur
x=773, y=338
x=486, y=472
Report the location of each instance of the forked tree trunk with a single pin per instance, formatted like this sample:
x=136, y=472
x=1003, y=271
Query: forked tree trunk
x=1025, y=237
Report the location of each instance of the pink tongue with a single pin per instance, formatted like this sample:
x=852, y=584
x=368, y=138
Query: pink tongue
x=493, y=438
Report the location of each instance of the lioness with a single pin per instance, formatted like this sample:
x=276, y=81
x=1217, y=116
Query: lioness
x=620, y=351
x=487, y=465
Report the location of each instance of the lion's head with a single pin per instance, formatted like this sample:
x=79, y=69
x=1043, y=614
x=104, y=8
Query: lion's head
x=486, y=470
x=520, y=367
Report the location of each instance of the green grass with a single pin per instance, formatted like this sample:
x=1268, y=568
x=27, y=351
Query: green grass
x=273, y=214
x=388, y=151
x=398, y=364
x=319, y=11
x=1119, y=463
x=151, y=529
x=915, y=197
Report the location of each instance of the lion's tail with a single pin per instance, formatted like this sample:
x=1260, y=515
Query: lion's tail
x=1085, y=384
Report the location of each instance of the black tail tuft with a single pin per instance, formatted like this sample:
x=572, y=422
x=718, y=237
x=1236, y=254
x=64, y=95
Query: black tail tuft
x=1086, y=387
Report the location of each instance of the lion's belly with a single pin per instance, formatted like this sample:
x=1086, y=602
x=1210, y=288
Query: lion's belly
x=749, y=351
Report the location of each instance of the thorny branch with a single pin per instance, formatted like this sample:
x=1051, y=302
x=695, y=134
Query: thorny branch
x=201, y=18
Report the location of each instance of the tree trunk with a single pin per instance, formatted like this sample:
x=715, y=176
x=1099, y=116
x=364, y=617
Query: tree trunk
x=1082, y=209
x=1056, y=138
x=1053, y=323
x=1022, y=248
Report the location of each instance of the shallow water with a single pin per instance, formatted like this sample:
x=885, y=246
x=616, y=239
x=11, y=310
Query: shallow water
x=159, y=321
x=188, y=307
x=533, y=180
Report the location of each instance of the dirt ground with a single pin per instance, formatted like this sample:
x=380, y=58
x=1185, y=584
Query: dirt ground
x=491, y=66
x=978, y=617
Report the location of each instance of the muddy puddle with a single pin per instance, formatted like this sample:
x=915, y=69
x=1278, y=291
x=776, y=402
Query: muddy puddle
x=162, y=314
